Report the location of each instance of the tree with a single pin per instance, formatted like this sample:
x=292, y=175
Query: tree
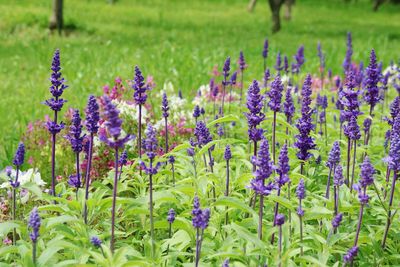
x=56, y=19
x=275, y=6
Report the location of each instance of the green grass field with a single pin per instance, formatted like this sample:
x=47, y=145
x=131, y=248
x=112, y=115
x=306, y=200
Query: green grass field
x=175, y=40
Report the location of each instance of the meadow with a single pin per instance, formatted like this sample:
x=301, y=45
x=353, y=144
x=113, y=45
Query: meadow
x=177, y=133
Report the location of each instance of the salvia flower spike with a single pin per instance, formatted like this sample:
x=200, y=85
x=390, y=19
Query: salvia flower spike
x=34, y=223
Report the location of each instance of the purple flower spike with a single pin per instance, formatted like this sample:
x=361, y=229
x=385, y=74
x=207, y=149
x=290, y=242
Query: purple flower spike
x=265, y=50
x=150, y=145
x=92, y=115
x=139, y=87
x=334, y=155
x=278, y=65
x=285, y=64
x=367, y=124
x=227, y=153
x=171, y=159
x=205, y=218
x=74, y=136
x=351, y=254
x=57, y=82
x=34, y=223
x=96, y=242
x=123, y=159
x=394, y=108
x=283, y=167
x=164, y=106
x=190, y=151
x=394, y=151
x=275, y=94
x=288, y=106
x=171, y=216
x=338, y=176
x=301, y=190
x=196, y=112
x=349, y=53
x=197, y=218
x=74, y=181
x=225, y=263
x=371, y=88
x=305, y=124
x=264, y=168
x=241, y=61
x=226, y=68
x=255, y=115
x=233, y=78
x=19, y=155
x=279, y=219
x=337, y=220
x=367, y=173
x=352, y=130
x=202, y=134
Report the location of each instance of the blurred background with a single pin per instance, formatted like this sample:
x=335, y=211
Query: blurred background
x=171, y=40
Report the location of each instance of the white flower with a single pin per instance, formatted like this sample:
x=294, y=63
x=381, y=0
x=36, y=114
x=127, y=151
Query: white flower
x=31, y=175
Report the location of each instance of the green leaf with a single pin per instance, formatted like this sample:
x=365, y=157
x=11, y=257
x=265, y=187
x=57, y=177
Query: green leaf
x=7, y=227
x=227, y=118
x=34, y=188
x=60, y=219
x=247, y=235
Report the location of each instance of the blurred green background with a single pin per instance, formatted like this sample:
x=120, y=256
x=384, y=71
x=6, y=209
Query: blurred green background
x=172, y=40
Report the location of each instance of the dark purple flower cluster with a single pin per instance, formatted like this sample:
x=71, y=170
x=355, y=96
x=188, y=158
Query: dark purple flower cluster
x=75, y=136
x=34, y=223
x=394, y=109
x=299, y=58
x=200, y=218
x=233, y=78
x=225, y=70
x=19, y=155
x=171, y=159
x=283, y=167
x=139, y=87
x=225, y=263
x=279, y=219
x=371, y=88
x=241, y=61
x=286, y=64
x=164, y=106
x=337, y=220
x=265, y=49
x=202, y=134
x=264, y=168
x=305, y=124
x=123, y=159
x=367, y=178
x=275, y=94
x=278, y=65
x=150, y=145
x=227, y=153
x=171, y=216
x=394, y=151
x=349, y=97
x=352, y=130
x=267, y=75
x=321, y=56
x=301, y=194
x=96, y=242
x=113, y=124
x=255, y=115
x=74, y=181
x=338, y=176
x=367, y=125
x=92, y=115
x=349, y=53
x=196, y=112
x=288, y=106
x=351, y=254
x=334, y=155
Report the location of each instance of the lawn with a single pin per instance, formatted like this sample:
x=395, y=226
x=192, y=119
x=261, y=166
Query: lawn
x=175, y=40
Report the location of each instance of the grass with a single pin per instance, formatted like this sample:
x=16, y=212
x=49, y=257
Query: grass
x=173, y=40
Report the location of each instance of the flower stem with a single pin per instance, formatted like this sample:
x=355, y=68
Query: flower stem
x=87, y=179
x=173, y=174
x=354, y=165
x=275, y=214
x=227, y=190
x=348, y=161
x=328, y=184
x=260, y=216
x=151, y=210
x=274, y=137
x=301, y=231
x=389, y=219
x=112, y=243
x=34, y=253
x=166, y=135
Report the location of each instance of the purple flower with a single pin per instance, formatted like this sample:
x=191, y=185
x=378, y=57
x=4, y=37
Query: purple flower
x=57, y=82
x=150, y=145
x=351, y=254
x=349, y=53
x=352, y=130
x=19, y=155
x=220, y=130
x=139, y=87
x=285, y=64
x=92, y=115
x=197, y=213
x=367, y=178
x=53, y=127
x=371, y=88
x=113, y=124
x=337, y=220
x=164, y=106
x=75, y=133
x=34, y=224
x=241, y=61
x=267, y=75
x=367, y=124
x=190, y=151
x=205, y=218
x=255, y=115
x=171, y=216
x=196, y=112
x=321, y=56
x=288, y=106
x=278, y=65
x=275, y=94
x=299, y=57
x=227, y=153
x=349, y=97
x=338, y=176
x=265, y=50
x=96, y=242
x=305, y=124
x=300, y=211
x=202, y=133
x=283, y=167
x=123, y=159
x=225, y=263
x=301, y=190
x=74, y=181
x=334, y=155
x=394, y=151
x=264, y=168
x=171, y=159
x=226, y=69
x=55, y=104
x=394, y=108
x=279, y=219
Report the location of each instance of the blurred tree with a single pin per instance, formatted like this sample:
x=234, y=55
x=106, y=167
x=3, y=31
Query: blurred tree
x=288, y=10
x=275, y=6
x=56, y=19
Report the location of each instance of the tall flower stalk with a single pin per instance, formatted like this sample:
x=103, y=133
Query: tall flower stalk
x=165, y=114
x=34, y=223
x=333, y=161
x=394, y=165
x=113, y=124
x=289, y=109
x=17, y=161
x=200, y=220
x=352, y=131
x=225, y=82
x=279, y=220
x=337, y=182
x=367, y=178
x=349, y=53
x=140, y=98
x=264, y=168
x=171, y=160
x=92, y=121
x=55, y=103
x=372, y=93
x=265, y=54
x=150, y=145
x=305, y=125
x=242, y=67
x=301, y=194
x=227, y=157
x=275, y=95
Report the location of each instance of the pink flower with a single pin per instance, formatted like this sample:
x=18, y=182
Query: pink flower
x=7, y=241
x=150, y=82
x=215, y=71
x=59, y=178
x=30, y=160
x=106, y=89
x=30, y=127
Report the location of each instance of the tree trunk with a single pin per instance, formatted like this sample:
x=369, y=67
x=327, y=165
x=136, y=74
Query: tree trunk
x=252, y=5
x=288, y=9
x=275, y=6
x=377, y=4
x=56, y=20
